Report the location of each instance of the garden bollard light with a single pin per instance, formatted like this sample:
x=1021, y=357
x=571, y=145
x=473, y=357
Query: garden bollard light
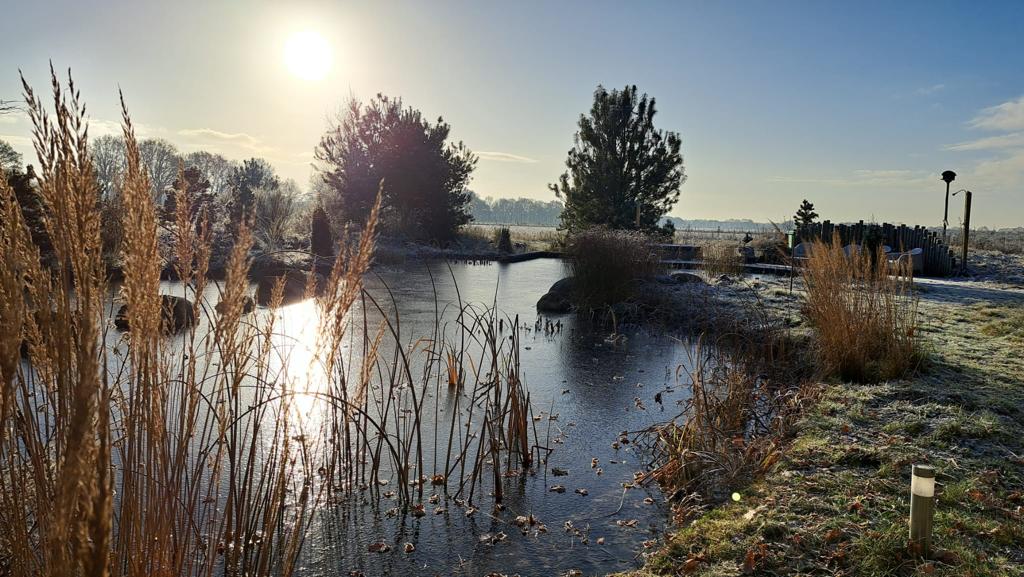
x=922, y=508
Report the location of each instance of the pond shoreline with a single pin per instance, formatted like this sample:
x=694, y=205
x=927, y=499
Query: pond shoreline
x=837, y=502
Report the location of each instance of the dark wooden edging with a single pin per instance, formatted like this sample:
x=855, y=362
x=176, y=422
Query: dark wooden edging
x=757, y=267
x=529, y=256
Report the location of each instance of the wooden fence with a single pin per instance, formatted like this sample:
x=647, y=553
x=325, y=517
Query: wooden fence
x=939, y=259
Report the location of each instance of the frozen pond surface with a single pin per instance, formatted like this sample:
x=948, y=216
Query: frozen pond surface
x=585, y=390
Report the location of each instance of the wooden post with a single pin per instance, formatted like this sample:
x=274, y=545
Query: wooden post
x=967, y=231
x=945, y=213
x=922, y=508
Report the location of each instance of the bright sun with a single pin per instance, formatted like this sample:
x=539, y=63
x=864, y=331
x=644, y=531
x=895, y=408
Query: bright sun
x=307, y=55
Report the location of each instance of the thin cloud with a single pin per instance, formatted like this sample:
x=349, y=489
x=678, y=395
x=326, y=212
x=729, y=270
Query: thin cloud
x=16, y=140
x=894, y=178
x=504, y=157
x=1001, y=174
x=1000, y=142
x=930, y=90
x=239, y=139
x=1004, y=117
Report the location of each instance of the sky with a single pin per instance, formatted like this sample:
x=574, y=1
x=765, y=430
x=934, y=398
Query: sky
x=856, y=106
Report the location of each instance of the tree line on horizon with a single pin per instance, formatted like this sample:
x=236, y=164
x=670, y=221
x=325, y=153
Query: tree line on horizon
x=621, y=173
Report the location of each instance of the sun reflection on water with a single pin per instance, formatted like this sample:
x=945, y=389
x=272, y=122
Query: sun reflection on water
x=298, y=366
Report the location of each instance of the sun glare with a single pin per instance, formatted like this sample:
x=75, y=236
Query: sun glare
x=307, y=55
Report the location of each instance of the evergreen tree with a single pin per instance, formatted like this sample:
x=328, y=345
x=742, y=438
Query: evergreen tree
x=321, y=241
x=805, y=215
x=622, y=172
x=252, y=174
x=424, y=176
x=33, y=208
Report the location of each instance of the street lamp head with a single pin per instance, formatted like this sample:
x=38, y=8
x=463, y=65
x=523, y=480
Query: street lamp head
x=948, y=176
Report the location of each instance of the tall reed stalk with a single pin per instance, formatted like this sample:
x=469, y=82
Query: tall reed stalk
x=148, y=454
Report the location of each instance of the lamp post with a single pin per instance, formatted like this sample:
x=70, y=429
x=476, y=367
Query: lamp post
x=922, y=509
x=948, y=176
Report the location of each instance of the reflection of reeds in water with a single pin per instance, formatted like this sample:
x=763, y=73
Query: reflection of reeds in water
x=185, y=455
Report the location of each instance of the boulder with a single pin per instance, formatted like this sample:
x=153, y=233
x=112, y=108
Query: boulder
x=554, y=303
x=294, y=286
x=565, y=286
x=248, y=305
x=558, y=299
x=176, y=314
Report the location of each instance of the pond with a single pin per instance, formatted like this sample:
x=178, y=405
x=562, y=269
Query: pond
x=586, y=387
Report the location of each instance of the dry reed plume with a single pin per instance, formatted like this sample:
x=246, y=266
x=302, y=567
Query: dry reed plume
x=144, y=454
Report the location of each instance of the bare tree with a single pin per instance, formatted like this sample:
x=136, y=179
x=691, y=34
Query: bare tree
x=109, y=162
x=161, y=160
x=214, y=167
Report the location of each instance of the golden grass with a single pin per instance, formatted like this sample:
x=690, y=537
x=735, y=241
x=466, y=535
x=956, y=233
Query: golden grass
x=608, y=263
x=721, y=259
x=187, y=455
x=864, y=313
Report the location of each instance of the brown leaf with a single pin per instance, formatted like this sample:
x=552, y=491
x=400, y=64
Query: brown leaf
x=749, y=561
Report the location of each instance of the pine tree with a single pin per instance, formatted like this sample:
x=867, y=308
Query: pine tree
x=805, y=215
x=389, y=147
x=321, y=241
x=253, y=174
x=33, y=207
x=622, y=172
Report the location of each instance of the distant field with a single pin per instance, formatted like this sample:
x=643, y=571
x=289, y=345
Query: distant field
x=534, y=236
x=1006, y=241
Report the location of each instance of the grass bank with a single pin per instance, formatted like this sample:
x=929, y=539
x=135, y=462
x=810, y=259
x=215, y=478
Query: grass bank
x=837, y=502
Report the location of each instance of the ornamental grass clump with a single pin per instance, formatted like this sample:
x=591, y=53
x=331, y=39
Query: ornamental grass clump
x=608, y=264
x=863, y=311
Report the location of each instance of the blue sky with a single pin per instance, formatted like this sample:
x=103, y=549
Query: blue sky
x=857, y=106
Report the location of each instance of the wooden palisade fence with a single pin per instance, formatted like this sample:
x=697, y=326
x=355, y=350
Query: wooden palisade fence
x=939, y=259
